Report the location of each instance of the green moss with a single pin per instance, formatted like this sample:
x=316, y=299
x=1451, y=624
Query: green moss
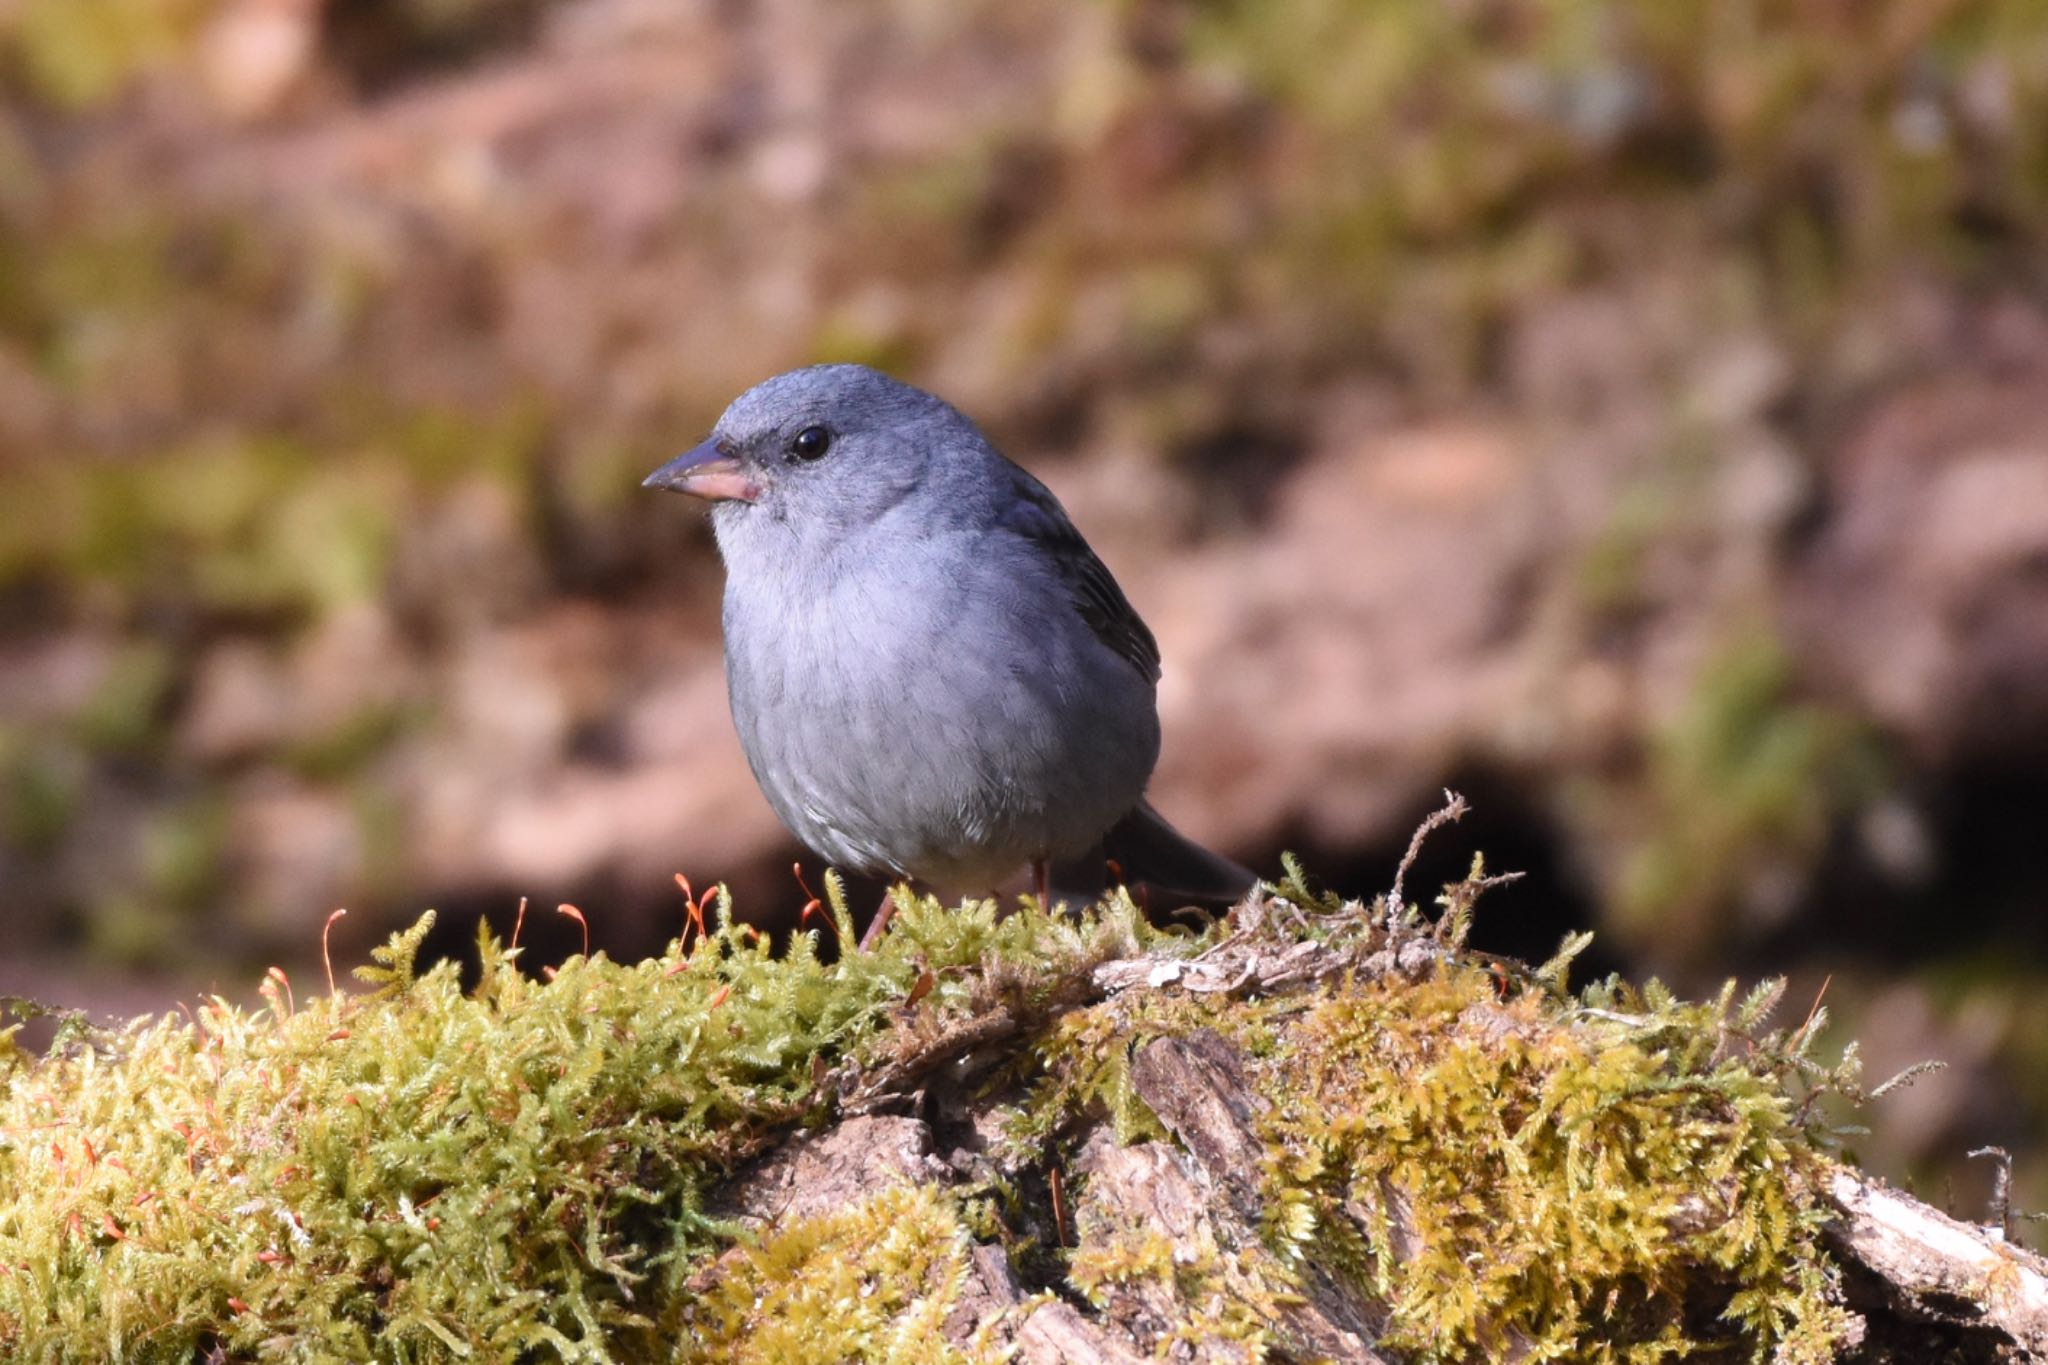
x=522, y=1170
x=873, y=1282
x=429, y=1174
x=1570, y=1189
x=1615, y=1176
x=1228, y=1293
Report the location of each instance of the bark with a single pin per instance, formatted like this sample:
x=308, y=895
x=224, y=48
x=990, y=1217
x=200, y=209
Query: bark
x=1930, y=1268
x=1929, y=1287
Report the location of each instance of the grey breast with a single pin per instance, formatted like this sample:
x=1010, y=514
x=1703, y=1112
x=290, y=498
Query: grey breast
x=935, y=709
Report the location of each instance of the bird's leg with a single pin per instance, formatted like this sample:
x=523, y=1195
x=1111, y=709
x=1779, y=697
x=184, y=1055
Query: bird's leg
x=1041, y=882
x=1140, y=892
x=884, y=912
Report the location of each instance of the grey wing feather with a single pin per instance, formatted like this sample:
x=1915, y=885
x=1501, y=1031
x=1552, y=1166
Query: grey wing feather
x=1098, y=599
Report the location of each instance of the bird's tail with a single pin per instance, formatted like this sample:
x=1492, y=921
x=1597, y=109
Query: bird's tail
x=1159, y=862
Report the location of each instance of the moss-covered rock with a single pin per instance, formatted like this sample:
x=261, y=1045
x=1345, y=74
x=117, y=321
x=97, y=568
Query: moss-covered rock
x=1353, y=1139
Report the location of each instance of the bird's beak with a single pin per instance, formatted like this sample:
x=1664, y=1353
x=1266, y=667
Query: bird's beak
x=705, y=471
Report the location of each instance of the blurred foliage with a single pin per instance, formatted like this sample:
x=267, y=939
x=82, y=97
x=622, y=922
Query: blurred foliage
x=39, y=788
x=1482, y=113
x=246, y=526
x=124, y=715
x=1405, y=178
x=78, y=53
x=243, y=527
x=1745, y=786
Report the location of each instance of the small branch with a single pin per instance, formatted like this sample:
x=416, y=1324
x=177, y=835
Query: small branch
x=1937, y=1269
x=1059, y=1205
x=1453, y=810
x=2001, y=1189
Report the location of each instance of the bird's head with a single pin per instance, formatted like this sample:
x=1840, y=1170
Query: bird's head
x=822, y=451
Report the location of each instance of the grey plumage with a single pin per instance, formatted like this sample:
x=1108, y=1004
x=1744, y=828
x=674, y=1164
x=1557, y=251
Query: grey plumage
x=932, y=674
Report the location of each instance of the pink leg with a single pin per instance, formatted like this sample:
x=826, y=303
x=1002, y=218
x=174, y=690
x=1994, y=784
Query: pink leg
x=1041, y=881
x=885, y=912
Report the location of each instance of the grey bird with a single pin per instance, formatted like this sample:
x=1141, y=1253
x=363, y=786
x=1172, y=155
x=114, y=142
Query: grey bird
x=933, y=676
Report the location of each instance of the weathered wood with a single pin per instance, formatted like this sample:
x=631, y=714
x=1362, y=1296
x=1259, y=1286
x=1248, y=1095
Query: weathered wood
x=1152, y=1188
x=818, y=1172
x=1197, y=1087
x=1057, y=1334
x=1049, y=1332
x=1255, y=960
x=1938, y=1269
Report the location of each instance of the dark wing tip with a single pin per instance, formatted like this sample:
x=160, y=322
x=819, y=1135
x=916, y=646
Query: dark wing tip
x=1097, y=597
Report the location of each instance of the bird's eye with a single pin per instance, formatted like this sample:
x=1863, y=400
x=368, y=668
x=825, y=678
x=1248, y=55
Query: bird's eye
x=810, y=443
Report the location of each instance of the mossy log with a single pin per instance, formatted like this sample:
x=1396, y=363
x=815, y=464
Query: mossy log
x=1318, y=1130
x=1916, y=1285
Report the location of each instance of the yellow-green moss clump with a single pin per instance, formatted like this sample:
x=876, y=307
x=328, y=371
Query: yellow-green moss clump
x=1512, y=1170
x=521, y=1170
x=1554, y=1178
x=871, y=1282
x=426, y=1174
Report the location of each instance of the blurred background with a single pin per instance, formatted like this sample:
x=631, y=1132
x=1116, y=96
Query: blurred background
x=1633, y=414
